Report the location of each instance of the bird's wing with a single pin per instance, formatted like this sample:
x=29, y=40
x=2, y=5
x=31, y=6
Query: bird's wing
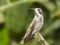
x=28, y=36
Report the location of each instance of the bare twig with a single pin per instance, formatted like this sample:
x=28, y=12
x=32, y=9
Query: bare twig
x=40, y=38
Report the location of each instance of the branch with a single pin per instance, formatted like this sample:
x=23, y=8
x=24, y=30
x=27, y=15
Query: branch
x=41, y=39
x=9, y=4
x=3, y=8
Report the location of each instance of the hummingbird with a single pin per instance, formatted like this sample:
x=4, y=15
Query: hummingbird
x=35, y=25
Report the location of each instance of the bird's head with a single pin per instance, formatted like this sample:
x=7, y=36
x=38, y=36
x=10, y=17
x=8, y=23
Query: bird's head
x=38, y=12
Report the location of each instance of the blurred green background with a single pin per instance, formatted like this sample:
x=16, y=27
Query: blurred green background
x=18, y=18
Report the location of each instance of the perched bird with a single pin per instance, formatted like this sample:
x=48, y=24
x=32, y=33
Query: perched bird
x=35, y=25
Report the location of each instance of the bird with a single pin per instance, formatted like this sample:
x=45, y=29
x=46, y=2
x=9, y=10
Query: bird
x=35, y=25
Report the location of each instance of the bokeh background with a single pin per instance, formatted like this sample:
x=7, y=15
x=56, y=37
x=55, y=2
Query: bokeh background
x=16, y=20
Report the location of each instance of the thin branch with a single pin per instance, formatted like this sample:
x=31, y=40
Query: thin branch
x=41, y=39
x=9, y=4
x=3, y=8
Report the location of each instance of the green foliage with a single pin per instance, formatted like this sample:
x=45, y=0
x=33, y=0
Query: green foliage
x=18, y=18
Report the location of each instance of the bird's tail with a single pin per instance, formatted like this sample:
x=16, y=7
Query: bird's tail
x=27, y=39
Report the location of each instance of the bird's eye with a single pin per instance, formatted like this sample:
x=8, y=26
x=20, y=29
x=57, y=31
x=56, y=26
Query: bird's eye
x=39, y=11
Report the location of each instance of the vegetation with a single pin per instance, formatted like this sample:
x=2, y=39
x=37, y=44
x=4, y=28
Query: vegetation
x=17, y=17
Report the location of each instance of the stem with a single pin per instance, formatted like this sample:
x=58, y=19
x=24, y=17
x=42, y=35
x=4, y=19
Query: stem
x=9, y=4
x=41, y=39
x=3, y=8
